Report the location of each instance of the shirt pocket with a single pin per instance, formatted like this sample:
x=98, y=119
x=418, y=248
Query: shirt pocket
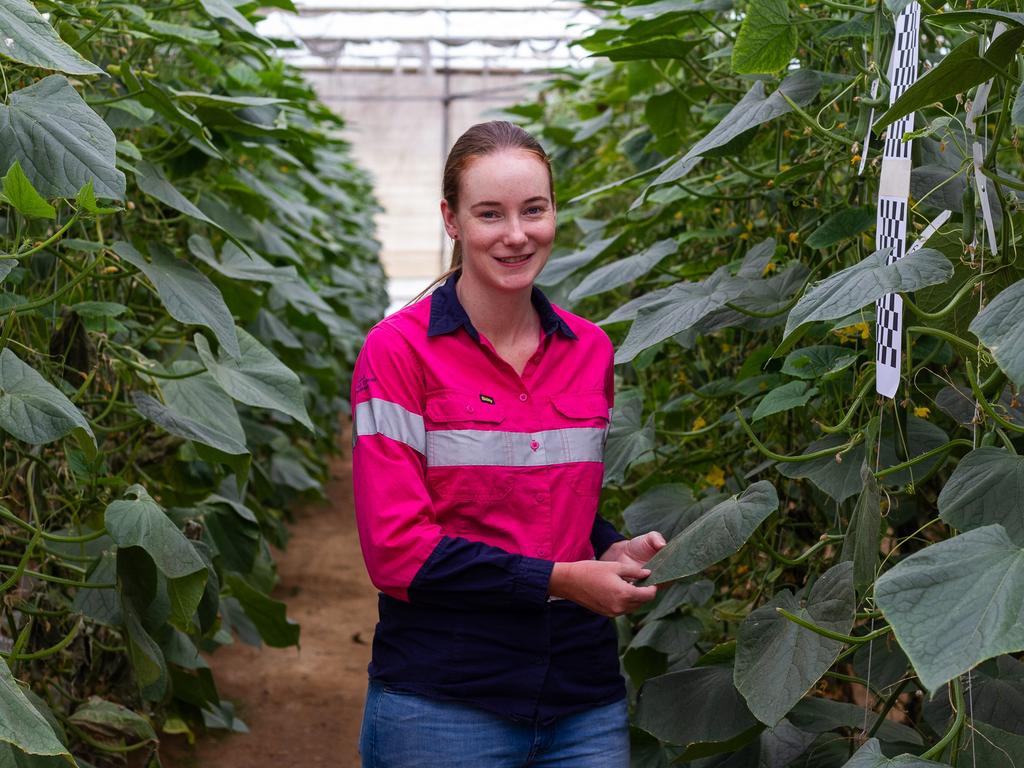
x=586, y=412
x=465, y=447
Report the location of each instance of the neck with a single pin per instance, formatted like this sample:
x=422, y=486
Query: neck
x=501, y=316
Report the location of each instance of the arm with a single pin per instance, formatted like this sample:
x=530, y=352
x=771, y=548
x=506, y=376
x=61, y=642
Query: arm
x=407, y=555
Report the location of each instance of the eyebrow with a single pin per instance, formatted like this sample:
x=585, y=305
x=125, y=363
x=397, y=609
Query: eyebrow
x=497, y=204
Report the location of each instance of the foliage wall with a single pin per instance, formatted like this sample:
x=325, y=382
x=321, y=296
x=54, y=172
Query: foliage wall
x=186, y=270
x=844, y=579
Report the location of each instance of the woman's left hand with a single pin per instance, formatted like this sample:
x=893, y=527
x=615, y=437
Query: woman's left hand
x=635, y=551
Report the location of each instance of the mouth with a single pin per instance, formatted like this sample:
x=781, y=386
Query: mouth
x=513, y=261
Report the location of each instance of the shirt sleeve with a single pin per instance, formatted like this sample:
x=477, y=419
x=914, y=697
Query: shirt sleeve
x=407, y=555
x=604, y=534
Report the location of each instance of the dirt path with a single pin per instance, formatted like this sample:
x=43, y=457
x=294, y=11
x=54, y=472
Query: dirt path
x=303, y=707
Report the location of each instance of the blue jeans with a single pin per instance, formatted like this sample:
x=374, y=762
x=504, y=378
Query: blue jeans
x=406, y=730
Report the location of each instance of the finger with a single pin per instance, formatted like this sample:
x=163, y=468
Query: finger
x=632, y=571
x=656, y=540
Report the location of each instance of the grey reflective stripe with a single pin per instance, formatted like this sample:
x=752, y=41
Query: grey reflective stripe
x=382, y=417
x=491, y=448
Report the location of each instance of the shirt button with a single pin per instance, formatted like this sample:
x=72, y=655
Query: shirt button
x=469, y=409
x=541, y=552
x=540, y=497
x=523, y=397
x=536, y=358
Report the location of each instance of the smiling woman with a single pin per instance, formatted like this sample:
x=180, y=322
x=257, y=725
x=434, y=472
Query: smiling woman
x=481, y=414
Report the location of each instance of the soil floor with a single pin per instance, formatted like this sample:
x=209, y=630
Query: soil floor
x=303, y=707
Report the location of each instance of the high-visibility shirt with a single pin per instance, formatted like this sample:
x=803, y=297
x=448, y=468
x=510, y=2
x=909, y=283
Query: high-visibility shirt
x=470, y=482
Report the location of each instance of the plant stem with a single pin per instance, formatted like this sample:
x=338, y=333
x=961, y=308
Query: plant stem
x=847, y=639
x=961, y=715
x=839, y=449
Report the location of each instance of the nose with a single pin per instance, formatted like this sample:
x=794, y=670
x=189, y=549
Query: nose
x=514, y=234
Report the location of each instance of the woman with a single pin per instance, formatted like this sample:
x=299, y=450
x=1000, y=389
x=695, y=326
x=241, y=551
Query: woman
x=481, y=414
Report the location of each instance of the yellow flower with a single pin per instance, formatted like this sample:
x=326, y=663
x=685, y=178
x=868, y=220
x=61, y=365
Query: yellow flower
x=744, y=235
x=769, y=268
x=794, y=237
x=855, y=160
x=698, y=423
x=852, y=332
x=922, y=412
x=715, y=477
x=682, y=378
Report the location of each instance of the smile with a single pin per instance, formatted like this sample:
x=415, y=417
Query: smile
x=515, y=259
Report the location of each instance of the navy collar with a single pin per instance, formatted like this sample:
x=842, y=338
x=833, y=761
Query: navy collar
x=447, y=313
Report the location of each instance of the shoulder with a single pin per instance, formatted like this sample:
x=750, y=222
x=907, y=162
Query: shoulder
x=402, y=329
x=592, y=336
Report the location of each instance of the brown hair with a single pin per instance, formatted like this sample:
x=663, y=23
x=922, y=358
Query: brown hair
x=479, y=140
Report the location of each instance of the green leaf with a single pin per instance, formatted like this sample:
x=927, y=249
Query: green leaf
x=715, y=535
x=33, y=410
x=557, y=269
x=696, y=706
x=59, y=141
x=182, y=426
x=21, y=724
x=870, y=755
x=667, y=509
x=182, y=33
x=839, y=479
x=202, y=99
x=1000, y=327
x=847, y=223
x=754, y=109
x=100, y=605
x=138, y=521
x=985, y=488
x=961, y=69
x=256, y=377
x=267, y=614
x=681, y=307
x=624, y=270
x=818, y=362
x=850, y=289
x=225, y=9
x=239, y=265
x=20, y=193
x=861, y=543
x=663, y=47
x=795, y=394
x=200, y=398
x=109, y=721
x=189, y=295
x=1017, y=112
x=767, y=39
x=86, y=200
x=770, y=647
x=956, y=603
x=818, y=715
x=152, y=181
x=147, y=659
x=29, y=39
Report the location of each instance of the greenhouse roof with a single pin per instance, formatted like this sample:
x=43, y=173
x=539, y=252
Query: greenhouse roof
x=414, y=34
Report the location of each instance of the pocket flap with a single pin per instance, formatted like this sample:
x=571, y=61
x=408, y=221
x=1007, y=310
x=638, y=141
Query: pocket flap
x=582, y=405
x=462, y=406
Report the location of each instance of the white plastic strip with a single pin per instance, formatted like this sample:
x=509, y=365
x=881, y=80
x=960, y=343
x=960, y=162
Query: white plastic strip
x=930, y=230
x=493, y=448
x=894, y=190
x=382, y=417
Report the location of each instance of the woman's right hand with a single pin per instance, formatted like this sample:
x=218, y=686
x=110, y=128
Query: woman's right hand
x=601, y=586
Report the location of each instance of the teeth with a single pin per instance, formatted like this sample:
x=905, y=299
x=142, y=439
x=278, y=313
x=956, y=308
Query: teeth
x=514, y=259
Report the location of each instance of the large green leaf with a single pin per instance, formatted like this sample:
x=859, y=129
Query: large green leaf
x=137, y=521
x=59, y=141
x=269, y=615
x=21, y=724
x=793, y=394
x=770, y=647
x=861, y=543
x=818, y=715
x=767, y=39
x=187, y=293
x=256, y=378
x=557, y=269
x=152, y=181
x=850, y=289
x=180, y=425
x=19, y=192
x=754, y=109
x=842, y=225
x=1000, y=326
x=870, y=755
x=818, y=362
x=956, y=603
x=986, y=487
x=629, y=437
x=201, y=399
x=651, y=48
x=624, y=270
x=960, y=69
x=110, y=721
x=715, y=535
x=696, y=706
x=238, y=265
x=680, y=308
x=29, y=39
x=226, y=10
x=33, y=410
x=667, y=509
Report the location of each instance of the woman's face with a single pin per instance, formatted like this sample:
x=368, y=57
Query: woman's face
x=505, y=221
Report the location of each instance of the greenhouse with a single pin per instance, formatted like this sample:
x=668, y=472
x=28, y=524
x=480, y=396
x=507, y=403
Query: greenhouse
x=597, y=383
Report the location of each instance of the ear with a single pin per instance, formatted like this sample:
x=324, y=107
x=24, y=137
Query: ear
x=451, y=224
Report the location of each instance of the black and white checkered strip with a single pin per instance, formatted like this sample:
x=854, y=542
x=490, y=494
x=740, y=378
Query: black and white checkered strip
x=888, y=326
x=904, y=69
x=892, y=227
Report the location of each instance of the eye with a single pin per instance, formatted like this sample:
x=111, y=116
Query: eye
x=489, y=214
x=535, y=210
